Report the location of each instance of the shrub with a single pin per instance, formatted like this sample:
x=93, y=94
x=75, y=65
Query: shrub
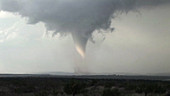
x=111, y=92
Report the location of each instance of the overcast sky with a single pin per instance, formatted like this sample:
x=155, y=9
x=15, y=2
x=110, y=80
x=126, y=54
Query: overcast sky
x=139, y=44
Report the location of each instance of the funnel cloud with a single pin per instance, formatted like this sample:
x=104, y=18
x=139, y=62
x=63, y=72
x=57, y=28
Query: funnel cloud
x=76, y=17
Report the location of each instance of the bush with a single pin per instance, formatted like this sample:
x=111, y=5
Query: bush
x=74, y=87
x=111, y=92
x=42, y=93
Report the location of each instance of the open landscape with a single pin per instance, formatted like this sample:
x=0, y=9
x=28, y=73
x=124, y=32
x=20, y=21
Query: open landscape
x=111, y=85
x=84, y=47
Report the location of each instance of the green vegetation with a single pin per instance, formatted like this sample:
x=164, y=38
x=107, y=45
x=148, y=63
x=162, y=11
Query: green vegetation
x=83, y=87
x=111, y=92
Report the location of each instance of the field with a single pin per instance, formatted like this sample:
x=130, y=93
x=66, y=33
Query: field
x=64, y=86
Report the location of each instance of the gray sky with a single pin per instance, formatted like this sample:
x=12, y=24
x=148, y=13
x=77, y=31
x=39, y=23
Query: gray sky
x=139, y=44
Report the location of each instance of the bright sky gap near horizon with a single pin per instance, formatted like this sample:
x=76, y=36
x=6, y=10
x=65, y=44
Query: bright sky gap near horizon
x=139, y=43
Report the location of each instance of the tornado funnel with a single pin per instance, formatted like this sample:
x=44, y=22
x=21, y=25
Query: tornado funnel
x=77, y=17
x=80, y=41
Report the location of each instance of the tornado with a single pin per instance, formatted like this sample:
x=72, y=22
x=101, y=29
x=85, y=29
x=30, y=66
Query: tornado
x=80, y=18
x=80, y=43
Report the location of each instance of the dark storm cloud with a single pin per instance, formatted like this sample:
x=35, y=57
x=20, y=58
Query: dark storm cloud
x=78, y=17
